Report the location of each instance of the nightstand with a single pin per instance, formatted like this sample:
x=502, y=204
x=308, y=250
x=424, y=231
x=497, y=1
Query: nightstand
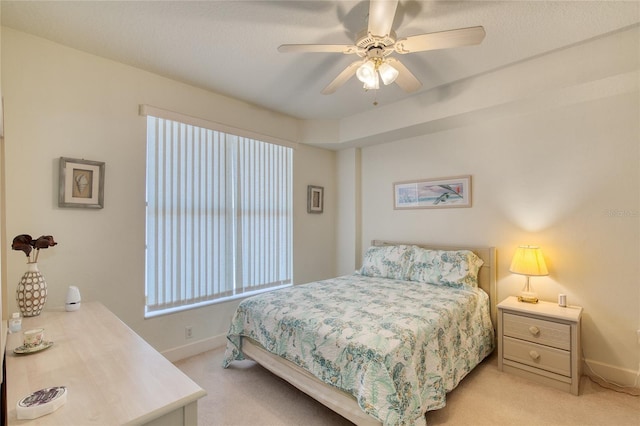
x=540, y=341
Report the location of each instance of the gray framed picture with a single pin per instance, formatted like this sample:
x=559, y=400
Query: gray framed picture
x=81, y=183
x=315, y=199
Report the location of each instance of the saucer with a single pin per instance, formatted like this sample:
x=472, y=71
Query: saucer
x=41, y=347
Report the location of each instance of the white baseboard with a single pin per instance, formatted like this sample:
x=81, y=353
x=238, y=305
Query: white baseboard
x=195, y=348
x=622, y=377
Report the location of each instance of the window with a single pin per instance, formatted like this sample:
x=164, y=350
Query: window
x=219, y=216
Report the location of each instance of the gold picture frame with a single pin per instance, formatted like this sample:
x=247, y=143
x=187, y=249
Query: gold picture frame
x=81, y=183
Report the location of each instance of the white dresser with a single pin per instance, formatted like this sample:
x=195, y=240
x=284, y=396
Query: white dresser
x=113, y=377
x=541, y=342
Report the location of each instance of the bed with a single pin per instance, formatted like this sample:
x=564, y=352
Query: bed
x=381, y=346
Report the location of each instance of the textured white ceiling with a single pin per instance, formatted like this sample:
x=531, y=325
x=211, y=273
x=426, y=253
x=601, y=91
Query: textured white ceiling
x=229, y=47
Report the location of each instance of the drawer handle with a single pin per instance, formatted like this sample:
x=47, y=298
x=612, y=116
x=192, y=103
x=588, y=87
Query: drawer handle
x=534, y=355
x=534, y=330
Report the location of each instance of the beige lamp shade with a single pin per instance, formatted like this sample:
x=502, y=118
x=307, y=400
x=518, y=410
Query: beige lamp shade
x=528, y=260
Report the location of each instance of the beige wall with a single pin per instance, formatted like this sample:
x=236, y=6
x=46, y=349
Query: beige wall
x=62, y=102
x=3, y=241
x=349, y=228
x=555, y=164
x=552, y=145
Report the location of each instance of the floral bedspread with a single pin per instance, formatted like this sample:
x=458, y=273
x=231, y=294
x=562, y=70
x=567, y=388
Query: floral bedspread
x=397, y=346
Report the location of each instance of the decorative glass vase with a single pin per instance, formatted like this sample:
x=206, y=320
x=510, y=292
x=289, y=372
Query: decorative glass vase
x=31, y=294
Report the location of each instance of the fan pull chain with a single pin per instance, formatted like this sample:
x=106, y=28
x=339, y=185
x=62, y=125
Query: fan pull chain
x=375, y=95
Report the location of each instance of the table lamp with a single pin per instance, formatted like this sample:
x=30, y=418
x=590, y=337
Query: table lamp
x=528, y=261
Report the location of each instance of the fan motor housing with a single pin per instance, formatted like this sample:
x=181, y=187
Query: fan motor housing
x=376, y=46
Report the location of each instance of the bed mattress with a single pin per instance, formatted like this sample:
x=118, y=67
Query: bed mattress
x=397, y=346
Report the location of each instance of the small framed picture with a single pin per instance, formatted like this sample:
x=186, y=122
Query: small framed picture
x=315, y=199
x=433, y=193
x=81, y=183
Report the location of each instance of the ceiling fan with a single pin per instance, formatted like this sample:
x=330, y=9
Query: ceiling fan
x=378, y=41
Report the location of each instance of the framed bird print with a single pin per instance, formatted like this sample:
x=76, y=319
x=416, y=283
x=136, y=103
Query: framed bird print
x=433, y=193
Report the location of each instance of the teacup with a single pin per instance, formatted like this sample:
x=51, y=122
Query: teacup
x=33, y=338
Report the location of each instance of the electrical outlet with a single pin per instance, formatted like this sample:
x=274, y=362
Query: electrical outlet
x=188, y=332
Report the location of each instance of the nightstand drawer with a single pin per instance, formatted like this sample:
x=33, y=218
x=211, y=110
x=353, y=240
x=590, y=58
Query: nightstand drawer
x=538, y=331
x=545, y=358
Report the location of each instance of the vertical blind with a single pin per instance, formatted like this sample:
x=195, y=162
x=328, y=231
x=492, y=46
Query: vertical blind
x=219, y=216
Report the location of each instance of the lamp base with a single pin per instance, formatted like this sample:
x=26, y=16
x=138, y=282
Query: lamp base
x=528, y=297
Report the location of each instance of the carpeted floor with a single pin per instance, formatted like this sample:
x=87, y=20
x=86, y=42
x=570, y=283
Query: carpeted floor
x=247, y=394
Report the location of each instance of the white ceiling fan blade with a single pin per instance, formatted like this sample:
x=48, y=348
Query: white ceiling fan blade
x=441, y=40
x=317, y=48
x=406, y=80
x=381, y=15
x=342, y=78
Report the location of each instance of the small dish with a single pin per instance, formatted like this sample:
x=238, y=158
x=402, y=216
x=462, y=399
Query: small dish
x=21, y=350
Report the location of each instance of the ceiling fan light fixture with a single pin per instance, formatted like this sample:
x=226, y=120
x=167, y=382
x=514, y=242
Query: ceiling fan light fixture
x=373, y=84
x=378, y=40
x=387, y=73
x=366, y=73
